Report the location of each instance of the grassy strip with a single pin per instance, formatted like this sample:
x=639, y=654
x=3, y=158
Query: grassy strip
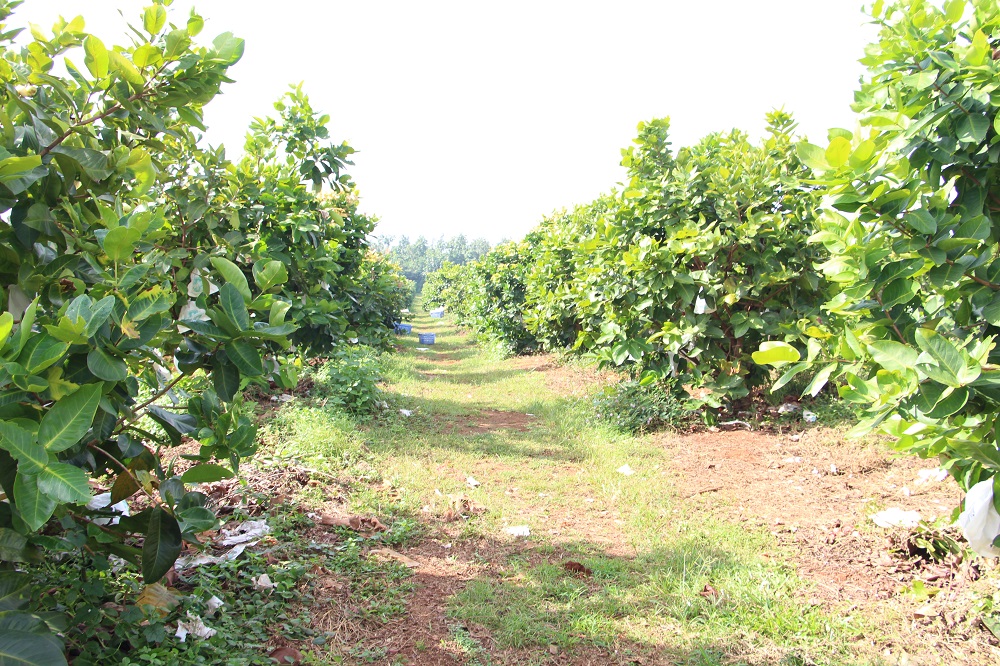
x=663, y=581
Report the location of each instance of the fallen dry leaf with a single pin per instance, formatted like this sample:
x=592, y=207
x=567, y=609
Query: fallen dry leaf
x=710, y=592
x=356, y=523
x=286, y=655
x=393, y=555
x=577, y=568
x=161, y=598
x=464, y=505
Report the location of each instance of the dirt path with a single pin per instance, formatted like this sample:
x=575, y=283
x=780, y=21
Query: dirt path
x=486, y=450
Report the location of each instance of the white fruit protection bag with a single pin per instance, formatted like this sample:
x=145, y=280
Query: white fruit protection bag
x=980, y=521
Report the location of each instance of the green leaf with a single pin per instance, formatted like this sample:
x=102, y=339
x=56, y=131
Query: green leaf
x=7, y=324
x=232, y=274
x=24, y=622
x=862, y=154
x=972, y=128
x=977, y=52
x=96, y=58
x=22, y=648
x=790, y=375
x=122, y=66
x=234, y=306
x=30, y=383
x=269, y=275
x=921, y=220
x=69, y=419
x=648, y=378
x=228, y=49
x=899, y=292
x=34, y=506
x=154, y=18
x=225, y=377
x=838, y=152
x=24, y=330
x=119, y=243
x=920, y=80
x=949, y=404
x=147, y=55
x=812, y=156
x=161, y=547
x=40, y=352
x=13, y=168
x=978, y=227
x=953, y=10
x=276, y=316
x=893, y=356
x=896, y=270
x=195, y=24
x=92, y=162
x=106, y=366
x=141, y=165
x=197, y=519
x=775, y=352
x=65, y=483
x=175, y=424
x=991, y=311
x=995, y=627
x=21, y=445
x=820, y=380
x=15, y=590
x=99, y=314
x=619, y=353
x=245, y=357
x=13, y=546
x=206, y=473
x=148, y=304
x=942, y=361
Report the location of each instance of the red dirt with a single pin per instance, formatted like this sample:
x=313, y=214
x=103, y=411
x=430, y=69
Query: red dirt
x=816, y=493
x=492, y=420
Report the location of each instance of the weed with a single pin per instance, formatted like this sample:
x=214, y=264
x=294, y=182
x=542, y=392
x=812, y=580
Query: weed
x=631, y=407
x=319, y=436
x=101, y=598
x=349, y=379
x=933, y=542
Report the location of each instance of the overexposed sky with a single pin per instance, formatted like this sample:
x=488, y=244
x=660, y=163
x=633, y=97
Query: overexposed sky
x=480, y=117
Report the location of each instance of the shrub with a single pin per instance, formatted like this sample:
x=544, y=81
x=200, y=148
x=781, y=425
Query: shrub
x=912, y=324
x=149, y=282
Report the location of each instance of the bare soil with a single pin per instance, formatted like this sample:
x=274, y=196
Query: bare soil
x=492, y=420
x=816, y=492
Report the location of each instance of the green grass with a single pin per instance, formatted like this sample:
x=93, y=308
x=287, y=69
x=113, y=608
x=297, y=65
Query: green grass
x=654, y=561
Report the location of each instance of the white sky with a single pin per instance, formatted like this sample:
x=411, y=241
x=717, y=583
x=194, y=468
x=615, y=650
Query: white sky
x=481, y=117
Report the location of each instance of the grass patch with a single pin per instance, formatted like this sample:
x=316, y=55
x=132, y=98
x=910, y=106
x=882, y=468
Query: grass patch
x=711, y=587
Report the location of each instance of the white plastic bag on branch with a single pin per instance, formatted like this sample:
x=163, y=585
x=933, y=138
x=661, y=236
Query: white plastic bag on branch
x=980, y=521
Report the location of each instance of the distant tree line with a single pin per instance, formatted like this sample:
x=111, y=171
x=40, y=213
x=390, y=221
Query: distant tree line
x=419, y=257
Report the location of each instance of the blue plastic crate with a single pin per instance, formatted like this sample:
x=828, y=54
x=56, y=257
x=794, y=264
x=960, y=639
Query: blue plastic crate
x=403, y=329
x=426, y=338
